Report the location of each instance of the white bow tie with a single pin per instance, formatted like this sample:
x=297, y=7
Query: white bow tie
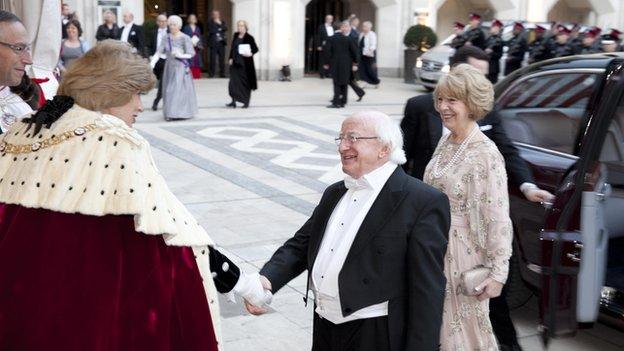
x=355, y=184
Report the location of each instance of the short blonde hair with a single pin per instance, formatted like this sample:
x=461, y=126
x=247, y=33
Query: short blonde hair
x=244, y=24
x=107, y=76
x=468, y=85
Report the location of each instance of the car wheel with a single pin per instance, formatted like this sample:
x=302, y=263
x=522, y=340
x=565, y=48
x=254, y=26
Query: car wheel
x=518, y=294
x=429, y=89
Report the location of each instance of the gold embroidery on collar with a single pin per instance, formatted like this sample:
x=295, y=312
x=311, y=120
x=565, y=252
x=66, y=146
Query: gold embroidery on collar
x=38, y=145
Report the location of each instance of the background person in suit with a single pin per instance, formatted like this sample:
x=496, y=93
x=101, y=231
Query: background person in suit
x=422, y=129
x=342, y=54
x=217, y=42
x=355, y=23
x=109, y=29
x=66, y=16
x=160, y=32
x=133, y=33
x=373, y=249
x=324, y=31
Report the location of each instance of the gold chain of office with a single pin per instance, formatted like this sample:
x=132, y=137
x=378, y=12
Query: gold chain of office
x=53, y=140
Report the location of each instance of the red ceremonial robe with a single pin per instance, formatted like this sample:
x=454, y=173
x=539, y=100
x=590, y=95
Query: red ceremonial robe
x=75, y=282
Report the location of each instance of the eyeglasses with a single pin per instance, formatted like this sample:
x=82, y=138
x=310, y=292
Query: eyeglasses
x=351, y=138
x=18, y=48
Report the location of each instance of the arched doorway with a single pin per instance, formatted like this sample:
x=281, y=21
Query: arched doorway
x=578, y=11
x=316, y=10
x=458, y=10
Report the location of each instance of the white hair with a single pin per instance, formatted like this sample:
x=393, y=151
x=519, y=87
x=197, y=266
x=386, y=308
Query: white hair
x=387, y=130
x=368, y=24
x=175, y=21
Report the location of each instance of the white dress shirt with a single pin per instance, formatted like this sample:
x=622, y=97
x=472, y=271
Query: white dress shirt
x=343, y=225
x=162, y=32
x=126, y=31
x=329, y=29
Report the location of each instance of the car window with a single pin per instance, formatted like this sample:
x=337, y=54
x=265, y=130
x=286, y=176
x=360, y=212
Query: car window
x=565, y=90
x=547, y=110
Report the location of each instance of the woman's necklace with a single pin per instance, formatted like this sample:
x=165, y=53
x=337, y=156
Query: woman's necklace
x=437, y=172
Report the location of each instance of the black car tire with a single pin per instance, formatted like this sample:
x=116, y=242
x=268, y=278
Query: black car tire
x=518, y=294
x=429, y=89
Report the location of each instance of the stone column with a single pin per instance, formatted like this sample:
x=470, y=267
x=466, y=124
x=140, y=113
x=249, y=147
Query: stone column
x=278, y=27
x=390, y=29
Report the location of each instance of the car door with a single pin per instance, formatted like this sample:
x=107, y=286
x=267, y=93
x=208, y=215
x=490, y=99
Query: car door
x=542, y=114
x=580, y=225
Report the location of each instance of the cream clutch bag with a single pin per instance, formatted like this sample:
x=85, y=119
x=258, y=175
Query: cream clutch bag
x=471, y=278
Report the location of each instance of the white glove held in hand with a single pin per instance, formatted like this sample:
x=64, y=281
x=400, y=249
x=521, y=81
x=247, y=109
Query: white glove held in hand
x=250, y=288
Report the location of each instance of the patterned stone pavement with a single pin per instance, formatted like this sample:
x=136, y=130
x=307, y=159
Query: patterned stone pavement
x=253, y=176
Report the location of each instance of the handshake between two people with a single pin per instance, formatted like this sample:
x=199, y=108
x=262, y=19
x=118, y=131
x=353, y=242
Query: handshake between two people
x=255, y=289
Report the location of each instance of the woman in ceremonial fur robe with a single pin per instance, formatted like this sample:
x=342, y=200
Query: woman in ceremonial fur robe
x=96, y=253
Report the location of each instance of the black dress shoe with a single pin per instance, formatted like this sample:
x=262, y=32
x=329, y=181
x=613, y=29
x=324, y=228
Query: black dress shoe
x=334, y=106
x=360, y=97
x=246, y=106
x=231, y=104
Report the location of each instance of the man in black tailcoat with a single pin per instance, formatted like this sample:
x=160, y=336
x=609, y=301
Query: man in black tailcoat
x=152, y=45
x=373, y=249
x=217, y=42
x=324, y=32
x=342, y=54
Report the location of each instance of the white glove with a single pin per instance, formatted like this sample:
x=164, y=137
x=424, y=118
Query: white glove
x=250, y=288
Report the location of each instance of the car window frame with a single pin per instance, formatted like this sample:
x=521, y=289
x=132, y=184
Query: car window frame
x=598, y=71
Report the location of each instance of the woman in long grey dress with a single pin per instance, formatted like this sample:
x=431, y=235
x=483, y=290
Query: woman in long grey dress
x=470, y=170
x=179, y=100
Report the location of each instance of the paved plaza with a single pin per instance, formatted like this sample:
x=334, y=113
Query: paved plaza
x=253, y=176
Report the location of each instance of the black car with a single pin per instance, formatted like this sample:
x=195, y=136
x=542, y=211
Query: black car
x=566, y=116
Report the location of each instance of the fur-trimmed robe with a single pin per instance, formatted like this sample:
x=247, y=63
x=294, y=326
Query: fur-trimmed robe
x=90, y=169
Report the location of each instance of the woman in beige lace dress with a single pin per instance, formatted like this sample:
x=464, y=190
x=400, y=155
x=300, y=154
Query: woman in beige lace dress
x=470, y=170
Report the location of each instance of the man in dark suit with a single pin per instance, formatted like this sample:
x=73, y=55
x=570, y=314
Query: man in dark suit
x=354, y=33
x=324, y=32
x=153, y=45
x=217, y=42
x=342, y=54
x=422, y=129
x=373, y=248
x=132, y=33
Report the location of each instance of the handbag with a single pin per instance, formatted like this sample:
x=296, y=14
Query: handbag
x=471, y=278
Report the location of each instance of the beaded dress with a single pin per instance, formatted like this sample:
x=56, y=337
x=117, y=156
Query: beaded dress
x=472, y=174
